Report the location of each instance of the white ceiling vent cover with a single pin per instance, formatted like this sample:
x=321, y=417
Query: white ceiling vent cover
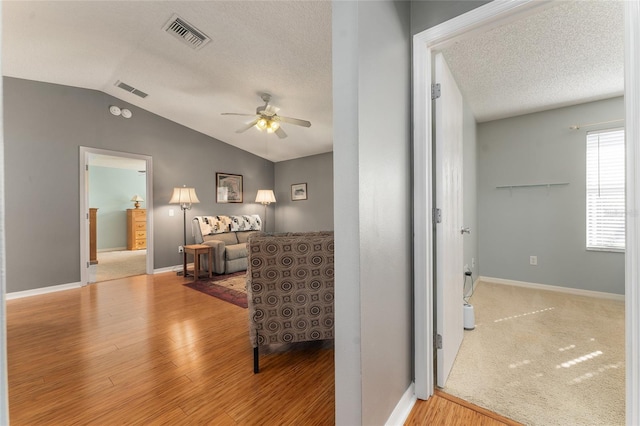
x=186, y=33
x=130, y=89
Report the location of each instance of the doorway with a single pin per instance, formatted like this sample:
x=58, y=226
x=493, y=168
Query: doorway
x=424, y=43
x=121, y=185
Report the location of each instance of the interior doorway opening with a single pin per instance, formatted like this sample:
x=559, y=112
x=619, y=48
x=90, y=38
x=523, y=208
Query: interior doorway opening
x=473, y=22
x=119, y=184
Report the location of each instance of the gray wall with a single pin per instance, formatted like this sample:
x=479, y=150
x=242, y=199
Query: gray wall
x=110, y=191
x=372, y=186
x=45, y=124
x=316, y=212
x=548, y=223
x=469, y=191
x=429, y=13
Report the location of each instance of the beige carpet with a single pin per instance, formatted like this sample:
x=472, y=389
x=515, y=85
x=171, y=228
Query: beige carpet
x=543, y=358
x=119, y=264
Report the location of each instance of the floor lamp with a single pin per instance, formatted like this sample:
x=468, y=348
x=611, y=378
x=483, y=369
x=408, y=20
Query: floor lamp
x=185, y=197
x=265, y=197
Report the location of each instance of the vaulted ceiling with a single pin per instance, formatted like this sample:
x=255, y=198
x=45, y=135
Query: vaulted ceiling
x=566, y=53
x=280, y=47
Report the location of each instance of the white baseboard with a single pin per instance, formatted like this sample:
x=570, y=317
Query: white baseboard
x=574, y=291
x=106, y=250
x=42, y=290
x=403, y=408
x=175, y=268
x=62, y=287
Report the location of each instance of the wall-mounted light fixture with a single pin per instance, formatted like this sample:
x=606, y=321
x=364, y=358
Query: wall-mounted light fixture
x=117, y=111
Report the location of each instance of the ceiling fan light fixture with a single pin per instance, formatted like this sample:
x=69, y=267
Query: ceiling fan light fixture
x=274, y=125
x=262, y=124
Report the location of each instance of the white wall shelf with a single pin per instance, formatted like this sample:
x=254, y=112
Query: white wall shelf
x=534, y=185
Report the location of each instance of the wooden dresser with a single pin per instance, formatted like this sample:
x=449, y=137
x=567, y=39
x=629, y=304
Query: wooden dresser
x=93, y=236
x=136, y=229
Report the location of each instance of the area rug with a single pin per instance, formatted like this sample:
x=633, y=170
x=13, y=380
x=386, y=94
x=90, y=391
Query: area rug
x=230, y=288
x=543, y=358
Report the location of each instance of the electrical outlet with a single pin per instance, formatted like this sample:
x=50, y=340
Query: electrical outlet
x=180, y=249
x=533, y=260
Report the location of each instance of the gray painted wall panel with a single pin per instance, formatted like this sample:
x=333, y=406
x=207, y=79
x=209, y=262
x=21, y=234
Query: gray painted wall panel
x=429, y=13
x=548, y=223
x=373, y=280
x=45, y=124
x=385, y=195
x=316, y=212
x=469, y=191
x=110, y=191
x=348, y=376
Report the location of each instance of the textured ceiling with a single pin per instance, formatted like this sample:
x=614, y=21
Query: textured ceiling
x=569, y=53
x=281, y=47
x=566, y=54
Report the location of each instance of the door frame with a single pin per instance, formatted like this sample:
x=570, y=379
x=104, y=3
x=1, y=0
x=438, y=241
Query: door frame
x=424, y=43
x=84, y=206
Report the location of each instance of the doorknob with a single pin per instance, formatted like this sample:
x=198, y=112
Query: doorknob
x=463, y=230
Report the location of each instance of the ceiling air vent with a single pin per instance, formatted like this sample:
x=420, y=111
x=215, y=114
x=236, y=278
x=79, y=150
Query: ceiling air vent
x=186, y=33
x=130, y=89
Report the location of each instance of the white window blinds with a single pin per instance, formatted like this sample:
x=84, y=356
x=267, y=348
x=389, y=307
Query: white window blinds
x=606, y=190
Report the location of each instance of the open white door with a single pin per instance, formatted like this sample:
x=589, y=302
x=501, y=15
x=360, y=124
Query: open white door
x=449, y=246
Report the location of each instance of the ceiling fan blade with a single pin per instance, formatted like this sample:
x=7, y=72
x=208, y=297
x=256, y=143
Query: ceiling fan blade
x=237, y=113
x=281, y=133
x=296, y=121
x=248, y=126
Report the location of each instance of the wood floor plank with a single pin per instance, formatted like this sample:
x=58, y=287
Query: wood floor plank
x=443, y=409
x=148, y=350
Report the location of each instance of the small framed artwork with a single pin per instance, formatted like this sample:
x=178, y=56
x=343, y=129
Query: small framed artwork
x=298, y=191
x=229, y=188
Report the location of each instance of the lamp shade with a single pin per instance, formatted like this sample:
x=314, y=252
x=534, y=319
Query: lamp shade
x=265, y=196
x=184, y=196
x=137, y=198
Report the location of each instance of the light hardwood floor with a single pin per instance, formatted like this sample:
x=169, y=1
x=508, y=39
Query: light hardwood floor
x=147, y=350
x=443, y=409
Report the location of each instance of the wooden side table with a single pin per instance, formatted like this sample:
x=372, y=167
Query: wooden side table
x=196, y=250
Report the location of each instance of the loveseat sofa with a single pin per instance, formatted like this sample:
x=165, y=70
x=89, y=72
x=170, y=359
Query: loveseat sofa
x=290, y=288
x=228, y=236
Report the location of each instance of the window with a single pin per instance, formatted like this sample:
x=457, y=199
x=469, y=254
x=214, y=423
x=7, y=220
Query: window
x=606, y=190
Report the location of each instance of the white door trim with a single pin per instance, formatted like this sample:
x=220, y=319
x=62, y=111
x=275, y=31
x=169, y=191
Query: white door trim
x=84, y=208
x=480, y=19
x=632, y=252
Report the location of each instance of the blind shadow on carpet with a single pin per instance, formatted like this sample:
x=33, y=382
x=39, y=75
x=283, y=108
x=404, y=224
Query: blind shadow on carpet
x=543, y=357
x=230, y=288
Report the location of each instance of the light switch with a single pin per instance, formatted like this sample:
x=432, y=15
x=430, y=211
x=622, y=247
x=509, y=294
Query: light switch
x=170, y=212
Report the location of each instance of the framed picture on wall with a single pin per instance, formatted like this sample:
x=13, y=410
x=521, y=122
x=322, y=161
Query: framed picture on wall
x=228, y=188
x=298, y=191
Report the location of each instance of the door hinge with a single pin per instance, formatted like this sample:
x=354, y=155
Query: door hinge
x=437, y=341
x=435, y=91
x=88, y=266
x=86, y=167
x=437, y=215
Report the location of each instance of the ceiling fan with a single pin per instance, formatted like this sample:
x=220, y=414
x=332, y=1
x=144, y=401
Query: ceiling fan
x=267, y=118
